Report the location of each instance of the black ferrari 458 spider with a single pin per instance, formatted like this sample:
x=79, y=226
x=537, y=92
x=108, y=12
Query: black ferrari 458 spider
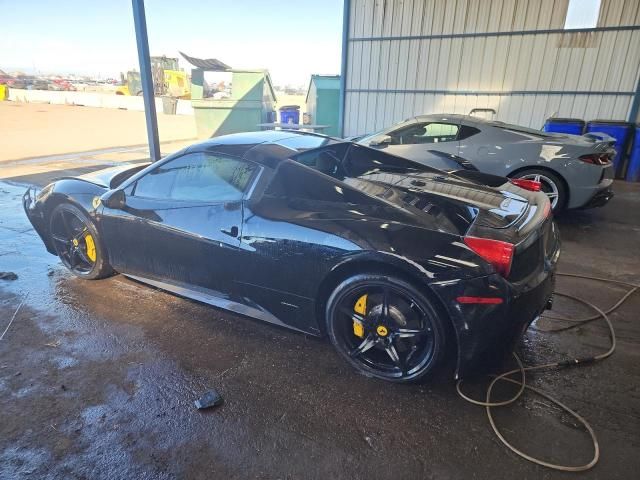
x=394, y=261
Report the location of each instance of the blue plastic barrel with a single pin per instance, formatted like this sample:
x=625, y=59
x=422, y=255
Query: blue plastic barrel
x=290, y=114
x=572, y=126
x=633, y=170
x=622, y=132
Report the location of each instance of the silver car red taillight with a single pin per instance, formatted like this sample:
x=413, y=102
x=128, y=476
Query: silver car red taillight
x=596, y=158
x=531, y=185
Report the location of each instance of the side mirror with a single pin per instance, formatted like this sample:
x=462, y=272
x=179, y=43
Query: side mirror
x=382, y=140
x=115, y=199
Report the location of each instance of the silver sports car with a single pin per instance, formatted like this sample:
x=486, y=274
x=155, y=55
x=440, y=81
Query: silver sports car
x=574, y=171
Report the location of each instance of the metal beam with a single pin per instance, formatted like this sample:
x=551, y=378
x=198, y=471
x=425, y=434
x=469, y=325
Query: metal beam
x=346, y=12
x=492, y=92
x=635, y=104
x=622, y=28
x=146, y=79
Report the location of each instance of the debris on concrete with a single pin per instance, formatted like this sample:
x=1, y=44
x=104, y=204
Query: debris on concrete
x=8, y=276
x=14, y=316
x=210, y=399
x=368, y=440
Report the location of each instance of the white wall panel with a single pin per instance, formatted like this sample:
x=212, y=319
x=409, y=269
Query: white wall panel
x=390, y=79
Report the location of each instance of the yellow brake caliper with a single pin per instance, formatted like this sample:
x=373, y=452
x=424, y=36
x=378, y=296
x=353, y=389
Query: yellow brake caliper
x=361, y=308
x=91, y=247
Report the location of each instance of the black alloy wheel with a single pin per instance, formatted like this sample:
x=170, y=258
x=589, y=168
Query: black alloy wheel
x=76, y=242
x=385, y=328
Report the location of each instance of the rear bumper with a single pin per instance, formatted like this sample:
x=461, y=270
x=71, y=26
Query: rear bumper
x=595, y=193
x=487, y=333
x=600, y=198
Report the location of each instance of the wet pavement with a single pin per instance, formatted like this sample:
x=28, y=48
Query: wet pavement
x=98, y=380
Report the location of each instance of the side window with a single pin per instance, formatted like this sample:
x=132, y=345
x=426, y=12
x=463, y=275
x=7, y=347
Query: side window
x=420, y=133
x=197, y=177
x=466, y=132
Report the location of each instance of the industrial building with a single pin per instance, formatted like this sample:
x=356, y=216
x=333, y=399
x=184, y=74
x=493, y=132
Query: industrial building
x=527, y=60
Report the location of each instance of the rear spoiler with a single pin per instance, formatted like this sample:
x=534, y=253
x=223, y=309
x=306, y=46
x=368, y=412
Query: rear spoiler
x=600, y=138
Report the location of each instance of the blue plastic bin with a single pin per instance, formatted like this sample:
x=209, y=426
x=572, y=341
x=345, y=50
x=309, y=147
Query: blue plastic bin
x=290, y=114
x=572, y=126
x=633, y=170
x=622, y=132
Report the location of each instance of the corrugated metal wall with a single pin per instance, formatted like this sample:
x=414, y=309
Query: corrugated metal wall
x=408, y=57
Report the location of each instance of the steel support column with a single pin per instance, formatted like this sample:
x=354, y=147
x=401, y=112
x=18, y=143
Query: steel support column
x=146, y=79
x=344, y=65
x=635, y=104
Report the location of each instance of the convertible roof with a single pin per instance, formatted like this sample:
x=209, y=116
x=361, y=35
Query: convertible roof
x=260, y=147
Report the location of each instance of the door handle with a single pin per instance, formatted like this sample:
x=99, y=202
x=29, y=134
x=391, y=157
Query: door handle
x=232, y=232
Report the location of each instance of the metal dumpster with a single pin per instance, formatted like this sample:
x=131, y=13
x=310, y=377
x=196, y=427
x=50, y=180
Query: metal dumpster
x=290, y=114
x=633, y=170
x=572, y=126
x=622, y=132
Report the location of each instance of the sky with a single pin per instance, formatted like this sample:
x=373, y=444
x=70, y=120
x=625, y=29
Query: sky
x=292, y=39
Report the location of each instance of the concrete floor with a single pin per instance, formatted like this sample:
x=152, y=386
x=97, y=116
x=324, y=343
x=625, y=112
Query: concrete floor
x=98, y=379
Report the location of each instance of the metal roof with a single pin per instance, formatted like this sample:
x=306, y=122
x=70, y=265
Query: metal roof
x=210, y=64
x=324, y=82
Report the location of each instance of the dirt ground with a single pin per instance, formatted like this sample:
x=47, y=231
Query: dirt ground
x=35, y=129
x=98, y=379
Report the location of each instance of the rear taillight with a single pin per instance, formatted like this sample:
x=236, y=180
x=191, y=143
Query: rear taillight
x=531, y=185
x=497, y=253
x=596, y=158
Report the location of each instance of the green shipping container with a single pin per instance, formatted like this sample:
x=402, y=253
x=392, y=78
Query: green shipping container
x=323, y=98
x=251, y=102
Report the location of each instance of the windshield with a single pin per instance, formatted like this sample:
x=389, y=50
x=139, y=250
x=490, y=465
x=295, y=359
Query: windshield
x=302, y=141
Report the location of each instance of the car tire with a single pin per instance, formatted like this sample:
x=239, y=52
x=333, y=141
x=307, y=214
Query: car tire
x=552, y=185
x=89, y=259
x=408, y=310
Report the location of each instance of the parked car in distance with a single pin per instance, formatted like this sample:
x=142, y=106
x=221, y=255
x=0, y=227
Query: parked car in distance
x=39, y=84
x=574, y=171
x=394, y=261
x=21, y=82
x=61, y=85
